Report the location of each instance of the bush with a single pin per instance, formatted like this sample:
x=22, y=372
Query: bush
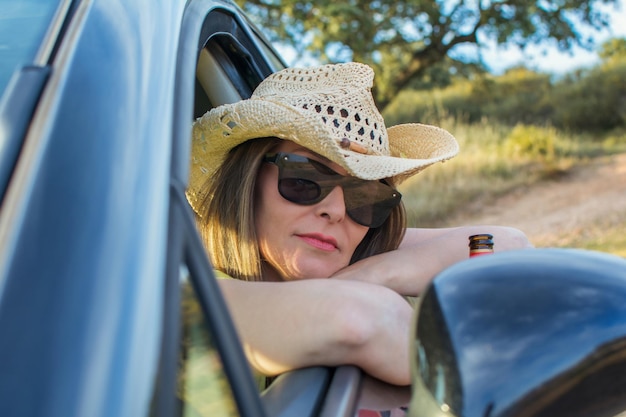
x=433, y=106
x=587, y=100
x=594, y=102
x=531, y=142
x=518, y=96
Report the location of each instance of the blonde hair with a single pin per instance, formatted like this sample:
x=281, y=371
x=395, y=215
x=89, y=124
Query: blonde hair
x=226, y=216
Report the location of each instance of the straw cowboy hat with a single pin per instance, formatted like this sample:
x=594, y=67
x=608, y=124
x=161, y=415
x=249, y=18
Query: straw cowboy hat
x=328, y=109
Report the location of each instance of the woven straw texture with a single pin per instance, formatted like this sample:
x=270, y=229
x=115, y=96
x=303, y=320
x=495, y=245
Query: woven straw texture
x=328, y=109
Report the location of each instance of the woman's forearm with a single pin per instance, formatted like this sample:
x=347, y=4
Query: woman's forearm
x=291, y=325
x=423, y=254
x=505, y=238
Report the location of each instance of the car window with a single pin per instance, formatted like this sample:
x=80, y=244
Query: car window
x=23, y=29
x=203, y=387
x=232, y=60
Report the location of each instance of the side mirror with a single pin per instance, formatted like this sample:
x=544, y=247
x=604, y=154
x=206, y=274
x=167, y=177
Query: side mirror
x=533, y=333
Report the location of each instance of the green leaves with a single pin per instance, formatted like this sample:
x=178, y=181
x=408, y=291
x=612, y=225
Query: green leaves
x=404, y=39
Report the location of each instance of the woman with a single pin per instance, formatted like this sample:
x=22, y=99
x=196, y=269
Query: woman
x=296, y=185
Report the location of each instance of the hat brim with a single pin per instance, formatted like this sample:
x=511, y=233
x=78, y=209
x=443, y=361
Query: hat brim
x=412, y=147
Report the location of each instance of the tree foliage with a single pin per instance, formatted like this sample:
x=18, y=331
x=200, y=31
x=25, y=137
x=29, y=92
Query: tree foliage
x=613, y=49
x=592, y=100
x=404, y=39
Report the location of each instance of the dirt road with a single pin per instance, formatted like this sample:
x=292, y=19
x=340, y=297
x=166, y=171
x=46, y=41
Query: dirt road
x=586, y=201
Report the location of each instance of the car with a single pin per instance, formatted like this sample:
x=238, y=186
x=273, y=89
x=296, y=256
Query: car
x=108, y=303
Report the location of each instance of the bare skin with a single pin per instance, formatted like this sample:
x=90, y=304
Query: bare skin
x=322, y=322
x=420, y=257
x=359, y=317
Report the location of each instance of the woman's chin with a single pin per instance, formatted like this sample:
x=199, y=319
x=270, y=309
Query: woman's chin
x=313, y=273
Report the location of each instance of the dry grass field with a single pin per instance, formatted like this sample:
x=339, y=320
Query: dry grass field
x=582, y=207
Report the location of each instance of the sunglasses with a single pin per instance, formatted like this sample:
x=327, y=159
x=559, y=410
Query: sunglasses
x=305, y=181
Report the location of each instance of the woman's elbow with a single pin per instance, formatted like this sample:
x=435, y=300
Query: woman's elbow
x=510, y=238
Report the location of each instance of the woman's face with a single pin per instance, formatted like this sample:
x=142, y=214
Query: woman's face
x=299, y=241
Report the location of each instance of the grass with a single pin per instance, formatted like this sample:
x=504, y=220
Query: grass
x=611, y=241
x=607, y=235
x=498, y=159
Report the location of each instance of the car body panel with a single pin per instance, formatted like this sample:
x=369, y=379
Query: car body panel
x=82, y=236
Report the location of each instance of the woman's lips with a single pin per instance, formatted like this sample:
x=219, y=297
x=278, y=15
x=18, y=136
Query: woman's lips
x=318, y=241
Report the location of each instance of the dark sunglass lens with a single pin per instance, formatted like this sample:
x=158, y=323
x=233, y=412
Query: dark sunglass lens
x=373, y=215
x=362, y=215
x=299, y=190
x=371, y=204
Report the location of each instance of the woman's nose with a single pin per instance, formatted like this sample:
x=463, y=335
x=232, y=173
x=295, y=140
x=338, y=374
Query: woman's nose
x=333, y=206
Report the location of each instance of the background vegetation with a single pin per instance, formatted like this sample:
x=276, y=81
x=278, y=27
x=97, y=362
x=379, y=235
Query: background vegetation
x=592, y=100
x=424, y=42
x=517, y=129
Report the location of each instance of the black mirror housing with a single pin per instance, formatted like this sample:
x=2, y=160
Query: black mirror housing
x=533, y=333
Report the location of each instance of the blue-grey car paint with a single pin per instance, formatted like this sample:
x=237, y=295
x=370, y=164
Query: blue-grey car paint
x=96, y=159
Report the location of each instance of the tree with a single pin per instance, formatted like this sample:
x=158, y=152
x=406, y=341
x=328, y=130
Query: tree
x=402, y=39
x=613, y=49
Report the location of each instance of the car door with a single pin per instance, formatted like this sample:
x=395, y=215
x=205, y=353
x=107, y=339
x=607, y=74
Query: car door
x=108, y=304
x=86, y=136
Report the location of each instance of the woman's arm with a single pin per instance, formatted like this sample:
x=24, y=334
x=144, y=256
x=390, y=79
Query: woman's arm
x=424, y=253
x=505, y=238
x=289, y=325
